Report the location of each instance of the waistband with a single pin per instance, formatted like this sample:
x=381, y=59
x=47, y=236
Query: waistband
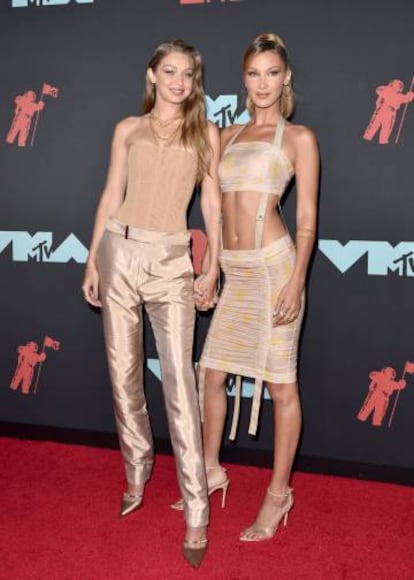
x=147, y=236
x=277, y=247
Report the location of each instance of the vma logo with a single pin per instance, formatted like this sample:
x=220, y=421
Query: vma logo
x=26, y=3
x=382, y=257
x=39, y=248
x=224, y=111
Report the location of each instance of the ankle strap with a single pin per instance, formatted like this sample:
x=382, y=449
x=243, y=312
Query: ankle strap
x=218, y=466
x=195, y=543
x=287, y=493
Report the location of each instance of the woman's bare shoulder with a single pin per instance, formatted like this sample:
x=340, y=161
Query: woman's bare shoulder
x=301, y=134
x=130, y=124
x=128, y=127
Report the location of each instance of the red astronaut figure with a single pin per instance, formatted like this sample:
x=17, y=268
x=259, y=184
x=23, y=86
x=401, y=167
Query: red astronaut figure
x=28, y=358
x=26, y=107
x=381, y=387
x=390, y=98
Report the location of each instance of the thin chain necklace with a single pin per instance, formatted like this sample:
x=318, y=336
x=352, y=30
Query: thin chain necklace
x=163, y=124
x=159, y=137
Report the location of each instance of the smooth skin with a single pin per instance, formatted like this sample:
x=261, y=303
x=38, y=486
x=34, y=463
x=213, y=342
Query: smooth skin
x=264, y=79
x=173, y=79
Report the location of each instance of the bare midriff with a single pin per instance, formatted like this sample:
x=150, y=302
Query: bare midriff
x=239, y=209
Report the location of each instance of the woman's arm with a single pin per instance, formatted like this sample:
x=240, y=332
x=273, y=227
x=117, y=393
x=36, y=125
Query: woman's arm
x=111, y=199
x=224, y=136
x=307, y=180
x=205, y=285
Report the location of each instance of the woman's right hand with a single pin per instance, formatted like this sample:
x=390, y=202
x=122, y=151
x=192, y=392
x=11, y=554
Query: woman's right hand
x=205, y=291
x=90, y=286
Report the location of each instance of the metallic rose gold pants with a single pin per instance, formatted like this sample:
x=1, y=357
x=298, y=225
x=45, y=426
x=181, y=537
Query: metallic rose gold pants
x=153, y=269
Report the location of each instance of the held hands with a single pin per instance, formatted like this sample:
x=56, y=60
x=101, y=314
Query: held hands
x=205, y=295
x=288, y=305
x=90, y=286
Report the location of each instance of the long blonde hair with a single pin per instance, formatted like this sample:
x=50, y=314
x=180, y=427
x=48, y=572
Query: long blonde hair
x=194, y=131
x=273, y=43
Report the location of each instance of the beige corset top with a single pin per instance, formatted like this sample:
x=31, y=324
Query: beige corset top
x=160, y=183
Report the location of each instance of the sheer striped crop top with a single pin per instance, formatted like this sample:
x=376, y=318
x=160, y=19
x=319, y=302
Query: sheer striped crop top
x=160, y=184
x=255, y=165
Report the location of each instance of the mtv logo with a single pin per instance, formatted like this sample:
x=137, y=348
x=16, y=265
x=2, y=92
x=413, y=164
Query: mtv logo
x=39, y=247
x=382, y=257
x=223, y=111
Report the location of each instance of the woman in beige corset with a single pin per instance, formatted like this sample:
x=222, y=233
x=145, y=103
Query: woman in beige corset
x=139, y=257
x=255, y=329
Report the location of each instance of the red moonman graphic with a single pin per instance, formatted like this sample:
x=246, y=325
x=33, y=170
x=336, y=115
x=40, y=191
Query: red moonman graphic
x=389, y=100
x=28, y=358
x=26, y=108
x=198, y=249
x=381, y=387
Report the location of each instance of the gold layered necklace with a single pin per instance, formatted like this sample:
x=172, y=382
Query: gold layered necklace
x=154, y=120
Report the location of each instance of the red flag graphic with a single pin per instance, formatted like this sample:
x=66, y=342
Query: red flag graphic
x=49, y=90
x=50, y=343
x=409, y=367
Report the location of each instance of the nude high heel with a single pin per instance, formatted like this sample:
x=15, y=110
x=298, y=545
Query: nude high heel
x=259, y=532
x=222, y=484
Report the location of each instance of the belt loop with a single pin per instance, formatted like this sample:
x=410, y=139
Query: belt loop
x=126, y=232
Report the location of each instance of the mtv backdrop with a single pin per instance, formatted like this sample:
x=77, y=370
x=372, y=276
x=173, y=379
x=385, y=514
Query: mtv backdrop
x=75, y=68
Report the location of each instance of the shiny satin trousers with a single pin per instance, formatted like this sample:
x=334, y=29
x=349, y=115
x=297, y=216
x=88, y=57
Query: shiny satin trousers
x=140, y=268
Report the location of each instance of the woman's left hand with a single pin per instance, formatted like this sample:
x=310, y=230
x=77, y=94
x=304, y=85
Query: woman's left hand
x=288, y=305
x=205, y=291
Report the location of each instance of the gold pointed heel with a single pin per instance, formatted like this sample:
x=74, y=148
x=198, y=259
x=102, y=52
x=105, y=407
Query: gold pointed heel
x=194, y=551
x=259, y=531
x=222, y=484
x=130, y=503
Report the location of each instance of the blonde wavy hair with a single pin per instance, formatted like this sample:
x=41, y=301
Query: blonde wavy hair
x=194, y=130
x=273, y=43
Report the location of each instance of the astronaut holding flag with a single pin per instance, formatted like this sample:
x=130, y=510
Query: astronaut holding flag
x=380, y=390
x=27, y=108
x=28, y=359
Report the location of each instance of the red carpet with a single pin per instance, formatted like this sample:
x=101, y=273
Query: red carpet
x=59, y=521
